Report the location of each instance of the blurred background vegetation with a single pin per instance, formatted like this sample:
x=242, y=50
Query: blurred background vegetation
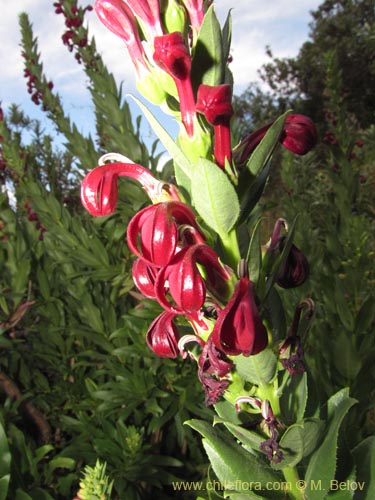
x=77, y=381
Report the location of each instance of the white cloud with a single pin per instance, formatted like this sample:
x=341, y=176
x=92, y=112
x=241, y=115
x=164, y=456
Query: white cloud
x=282, y=24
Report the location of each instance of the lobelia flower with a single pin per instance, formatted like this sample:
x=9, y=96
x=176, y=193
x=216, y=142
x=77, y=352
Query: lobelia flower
x=144, y=276
x=172, y=55
x=299, y=135
x=153, y=233
x=295, y=269
x=162, y=336
x=99, y=187
x=239, y=328
x=291, y=353
x=182, y=279
x=118, y=18
x=148, y=11
x=215, y=102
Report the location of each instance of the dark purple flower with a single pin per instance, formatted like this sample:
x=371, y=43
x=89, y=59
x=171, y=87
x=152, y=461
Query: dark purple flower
x=213, y=365
x=296, y=269
x=162, y=336
x=239, y=328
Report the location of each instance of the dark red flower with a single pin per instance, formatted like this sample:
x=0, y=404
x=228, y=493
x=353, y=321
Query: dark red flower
x=153, y=233
x=162, y=336
x=239, y=328
x=215, y=102
x=296, y=269
x=183, y=280
x=299, y=135
x=144, y=276
x=172, y=55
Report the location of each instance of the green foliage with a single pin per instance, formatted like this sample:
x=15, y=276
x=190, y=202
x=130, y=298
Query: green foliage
x=77, y=379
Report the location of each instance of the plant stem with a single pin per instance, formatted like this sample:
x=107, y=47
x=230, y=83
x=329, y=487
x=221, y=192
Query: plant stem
x=292, y=478
x=231, y=249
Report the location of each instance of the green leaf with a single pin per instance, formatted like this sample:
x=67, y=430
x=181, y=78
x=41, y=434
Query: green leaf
x=214, y=197
x=254, y=254
x=259, y=369
x=294, y=398
x=263, y=152
x=5, y=462
x=298, y=441
x=232, y=464
x=248, y=438
x=322, y=465
x=346, y=359
x=208, y=62
x=364, y=458
x=343, y=307
x=365, y=316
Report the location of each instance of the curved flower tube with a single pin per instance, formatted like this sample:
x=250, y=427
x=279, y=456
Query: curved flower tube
x=239, y=328
x=99, y=187
x=118, y=18
x=172, y=55
x=162, y=336
x=182, y=279
x=144, y=276
x=157, y=229
x=215, y=102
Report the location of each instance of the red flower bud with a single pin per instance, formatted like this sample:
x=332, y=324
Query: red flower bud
x=239, y=328
x=296, y=269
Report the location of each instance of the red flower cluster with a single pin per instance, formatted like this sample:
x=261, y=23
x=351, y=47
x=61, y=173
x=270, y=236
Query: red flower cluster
x=177, y=268
x=33, y=217
x=74, y=17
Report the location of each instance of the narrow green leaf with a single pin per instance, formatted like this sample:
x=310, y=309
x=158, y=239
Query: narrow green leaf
x=322, y=465
x=214, y=197
x=254, y=254
x=263, y=152
x=294, y=398
x=365, y=316
x=233, y=464
x=5, y=462
x=364, y=457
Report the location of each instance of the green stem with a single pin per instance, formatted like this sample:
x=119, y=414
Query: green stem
x=292, y=478
x=231, y=249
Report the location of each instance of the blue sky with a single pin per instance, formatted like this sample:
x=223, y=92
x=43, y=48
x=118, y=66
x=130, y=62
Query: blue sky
x=281, y=24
